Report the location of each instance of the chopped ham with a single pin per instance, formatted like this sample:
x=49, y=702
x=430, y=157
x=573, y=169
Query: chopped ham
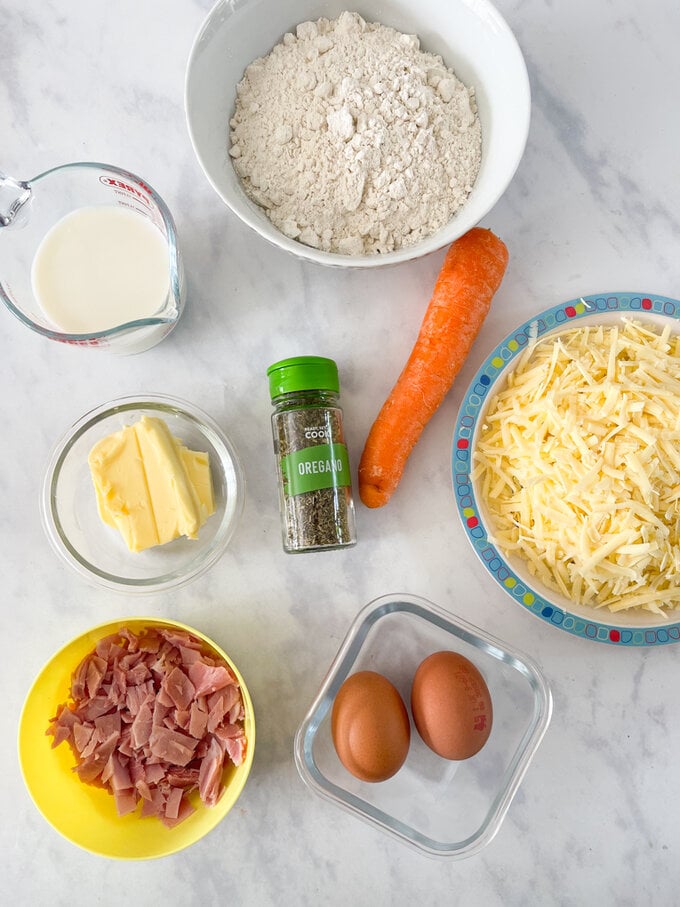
x=95, y=758
x=82, y=734
x=183, y=777
x=185, y=810
x=231, y=696
x=137, y=696
x=236, y=713
x=126, y=801
x=179, y=688
x=125, y=747
x=140, y=729
x=93, y=708
x=79, y=680
x=218, y=710
x=118, y=690
x=138, y=674
x=181, y=641
x=130, y=660
x=155, y=773
x=173, y=801
x=107, y=724
x=143, y=789
x=107, y=646
x=181, y=719
x=137, y=769
x=164, y=699
x=62, y=725
x=208, y=679
x=151, y=718
x=235, y=747
x=189, y=656
x=116, y=773
x=221, y=703
x=96, y=669
x=198, y=721
x=154, y=806
x=210, y=773
x=105, y=747
x=229, y=730
x=160, y=711
x=171, y=746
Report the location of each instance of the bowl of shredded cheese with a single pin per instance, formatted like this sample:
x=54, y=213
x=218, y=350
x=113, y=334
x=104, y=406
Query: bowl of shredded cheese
x=566, y=467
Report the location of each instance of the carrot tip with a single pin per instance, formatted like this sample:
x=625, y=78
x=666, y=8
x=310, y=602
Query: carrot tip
x=372, y=496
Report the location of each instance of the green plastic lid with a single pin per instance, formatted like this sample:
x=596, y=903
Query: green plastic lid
x=303, y=373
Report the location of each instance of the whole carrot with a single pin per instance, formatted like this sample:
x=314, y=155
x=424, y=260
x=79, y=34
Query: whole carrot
x=472, y=272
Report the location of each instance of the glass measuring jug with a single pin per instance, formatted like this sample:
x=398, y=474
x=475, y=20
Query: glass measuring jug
x=30, y=209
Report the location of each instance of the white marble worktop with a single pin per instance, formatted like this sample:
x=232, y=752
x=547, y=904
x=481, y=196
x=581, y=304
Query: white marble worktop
x=593, y=208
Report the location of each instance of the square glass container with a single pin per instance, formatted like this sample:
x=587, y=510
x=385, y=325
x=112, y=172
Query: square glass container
x=443, y=808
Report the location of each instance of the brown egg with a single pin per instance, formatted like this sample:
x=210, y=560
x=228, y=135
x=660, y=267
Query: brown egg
x=451, y=705
x=370, y=726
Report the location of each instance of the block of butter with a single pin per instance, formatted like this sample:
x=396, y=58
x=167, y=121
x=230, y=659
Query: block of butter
x=149, y=486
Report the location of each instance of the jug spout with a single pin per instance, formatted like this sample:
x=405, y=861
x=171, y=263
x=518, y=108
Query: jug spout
x=14, y=195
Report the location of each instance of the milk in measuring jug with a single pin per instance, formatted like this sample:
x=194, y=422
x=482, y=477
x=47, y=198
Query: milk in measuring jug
x=100, y=267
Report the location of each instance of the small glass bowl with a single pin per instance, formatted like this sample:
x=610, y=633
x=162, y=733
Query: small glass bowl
x=98, y=552
x=444, y=808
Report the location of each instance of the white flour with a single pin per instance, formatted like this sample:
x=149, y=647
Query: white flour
x=354, y=140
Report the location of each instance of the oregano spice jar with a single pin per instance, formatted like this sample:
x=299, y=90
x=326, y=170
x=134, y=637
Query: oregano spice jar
x=315, y=486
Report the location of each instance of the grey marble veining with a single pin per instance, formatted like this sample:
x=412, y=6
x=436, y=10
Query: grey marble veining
x=593, y=207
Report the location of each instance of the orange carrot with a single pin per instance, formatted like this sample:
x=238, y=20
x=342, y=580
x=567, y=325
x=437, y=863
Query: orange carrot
x=472, y=272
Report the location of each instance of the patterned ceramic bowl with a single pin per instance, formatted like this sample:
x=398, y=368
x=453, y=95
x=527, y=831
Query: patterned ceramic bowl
x=623, y=628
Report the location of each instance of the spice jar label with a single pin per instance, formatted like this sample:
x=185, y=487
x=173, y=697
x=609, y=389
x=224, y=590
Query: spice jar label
x=316, y=467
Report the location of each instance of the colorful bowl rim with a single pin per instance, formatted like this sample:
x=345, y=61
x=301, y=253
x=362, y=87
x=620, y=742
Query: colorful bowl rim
x=472, y=405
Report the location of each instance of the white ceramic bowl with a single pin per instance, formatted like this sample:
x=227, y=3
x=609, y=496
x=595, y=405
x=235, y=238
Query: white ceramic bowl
x=627, y=629
x=472, y=38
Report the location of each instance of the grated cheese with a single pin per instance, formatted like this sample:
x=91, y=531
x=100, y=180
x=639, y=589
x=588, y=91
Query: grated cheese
x=578, y=462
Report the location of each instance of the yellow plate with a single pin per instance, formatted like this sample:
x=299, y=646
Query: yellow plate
x=87, y=815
